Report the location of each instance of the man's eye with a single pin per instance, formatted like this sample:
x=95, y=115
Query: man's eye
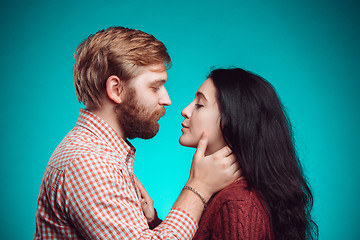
x=156, y=88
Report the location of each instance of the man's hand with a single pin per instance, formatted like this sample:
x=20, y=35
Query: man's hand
x=212, y=173
x=147, y=203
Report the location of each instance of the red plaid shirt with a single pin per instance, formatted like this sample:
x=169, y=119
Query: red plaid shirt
x=88, y=190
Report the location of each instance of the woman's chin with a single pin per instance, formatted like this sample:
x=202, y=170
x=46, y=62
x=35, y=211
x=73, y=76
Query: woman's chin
x=182, y=142
x=185, y=143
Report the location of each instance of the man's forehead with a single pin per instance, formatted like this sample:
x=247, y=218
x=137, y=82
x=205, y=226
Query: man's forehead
x=150, y=74
x=157, y=68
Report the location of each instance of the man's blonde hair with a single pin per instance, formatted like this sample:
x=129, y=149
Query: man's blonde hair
x=114, y=51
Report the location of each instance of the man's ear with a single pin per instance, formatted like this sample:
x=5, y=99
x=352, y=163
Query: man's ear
x=114, y=88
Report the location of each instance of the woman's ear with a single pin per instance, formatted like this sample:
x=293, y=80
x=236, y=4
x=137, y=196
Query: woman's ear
x=114, y=88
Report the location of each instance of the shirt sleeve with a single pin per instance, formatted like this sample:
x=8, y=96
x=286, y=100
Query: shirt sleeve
x=96, y=198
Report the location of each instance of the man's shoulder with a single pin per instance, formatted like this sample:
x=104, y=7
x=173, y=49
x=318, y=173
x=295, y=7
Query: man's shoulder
x=78, y=144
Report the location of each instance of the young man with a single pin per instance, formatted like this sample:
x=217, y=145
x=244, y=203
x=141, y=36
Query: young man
x=89, y=190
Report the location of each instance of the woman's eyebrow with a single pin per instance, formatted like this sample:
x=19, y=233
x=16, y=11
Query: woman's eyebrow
x=200, y=94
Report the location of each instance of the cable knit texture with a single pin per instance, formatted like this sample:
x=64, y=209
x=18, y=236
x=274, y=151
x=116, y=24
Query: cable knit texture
x=235, y=213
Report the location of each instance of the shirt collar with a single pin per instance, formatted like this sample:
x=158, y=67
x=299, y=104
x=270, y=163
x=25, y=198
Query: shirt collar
x=104, y=131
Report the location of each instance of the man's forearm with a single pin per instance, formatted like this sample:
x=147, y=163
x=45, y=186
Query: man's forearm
x=190, y=203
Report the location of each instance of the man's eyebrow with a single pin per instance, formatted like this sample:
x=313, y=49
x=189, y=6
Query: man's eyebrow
x=162, y=81
x=200, y=94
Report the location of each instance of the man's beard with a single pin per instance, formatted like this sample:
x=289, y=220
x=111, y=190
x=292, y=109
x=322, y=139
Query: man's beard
x=136, y=121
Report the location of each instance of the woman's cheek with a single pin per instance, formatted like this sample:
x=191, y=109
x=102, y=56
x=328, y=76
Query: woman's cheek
x=197, y=135
x=213, y=130
x=191, y=137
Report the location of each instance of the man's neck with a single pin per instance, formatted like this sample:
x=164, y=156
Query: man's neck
x=107, y=114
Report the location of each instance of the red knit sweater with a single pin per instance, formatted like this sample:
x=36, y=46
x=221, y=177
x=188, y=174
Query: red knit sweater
x=235, y=213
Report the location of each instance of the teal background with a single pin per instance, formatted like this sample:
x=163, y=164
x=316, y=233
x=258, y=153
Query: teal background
x=309, y=50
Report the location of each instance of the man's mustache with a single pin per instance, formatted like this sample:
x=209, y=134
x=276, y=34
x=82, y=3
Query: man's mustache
x=159, y=113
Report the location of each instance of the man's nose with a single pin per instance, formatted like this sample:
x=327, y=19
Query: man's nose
x=165, y=99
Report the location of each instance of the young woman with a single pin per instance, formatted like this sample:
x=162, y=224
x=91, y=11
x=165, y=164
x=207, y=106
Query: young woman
x=272, y=199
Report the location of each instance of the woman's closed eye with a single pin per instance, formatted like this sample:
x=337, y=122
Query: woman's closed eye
x=197, y=105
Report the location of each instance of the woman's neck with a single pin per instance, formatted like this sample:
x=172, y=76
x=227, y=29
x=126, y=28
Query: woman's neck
x=212, y=149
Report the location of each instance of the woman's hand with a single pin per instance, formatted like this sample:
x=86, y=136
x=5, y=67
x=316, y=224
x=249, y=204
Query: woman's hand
x=146, y=202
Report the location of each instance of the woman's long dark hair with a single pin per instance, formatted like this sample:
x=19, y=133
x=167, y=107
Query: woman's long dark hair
x=255, y=126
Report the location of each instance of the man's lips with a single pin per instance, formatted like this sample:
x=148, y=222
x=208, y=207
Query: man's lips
x=159, y=114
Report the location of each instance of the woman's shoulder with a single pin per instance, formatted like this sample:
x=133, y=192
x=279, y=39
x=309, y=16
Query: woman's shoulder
x=238, y=210
x=237, y=195
x=237, y=191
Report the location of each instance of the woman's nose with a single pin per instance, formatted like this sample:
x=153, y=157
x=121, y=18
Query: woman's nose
x=186, y=112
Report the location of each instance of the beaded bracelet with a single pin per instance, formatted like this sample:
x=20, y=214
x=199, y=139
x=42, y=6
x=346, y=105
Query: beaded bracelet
x=198, y=194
